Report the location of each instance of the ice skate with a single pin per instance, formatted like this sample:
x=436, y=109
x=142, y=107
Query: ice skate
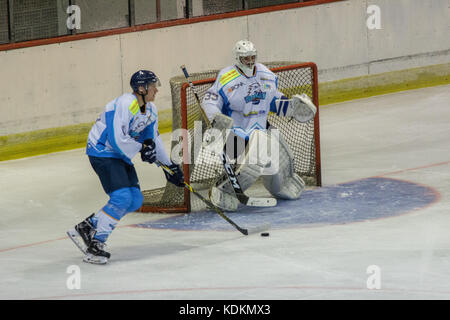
x=95, y=253
x=84, y=230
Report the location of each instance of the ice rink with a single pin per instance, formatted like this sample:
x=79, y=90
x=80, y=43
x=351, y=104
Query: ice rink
x=377, y=229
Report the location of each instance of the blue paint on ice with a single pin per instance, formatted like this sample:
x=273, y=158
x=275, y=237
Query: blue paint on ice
x=361, y=200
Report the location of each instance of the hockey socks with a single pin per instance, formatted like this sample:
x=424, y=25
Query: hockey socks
x=104, y=225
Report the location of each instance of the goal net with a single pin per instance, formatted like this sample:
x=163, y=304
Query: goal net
x=200, y=170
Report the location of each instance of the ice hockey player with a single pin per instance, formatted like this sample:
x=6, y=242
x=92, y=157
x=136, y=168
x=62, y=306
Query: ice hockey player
x=127, y=126
x=241, y=99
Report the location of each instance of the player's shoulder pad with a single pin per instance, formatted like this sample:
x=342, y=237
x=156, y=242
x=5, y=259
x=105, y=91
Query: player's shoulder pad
x=128, y=101
x=227, y=74
x=265, y=72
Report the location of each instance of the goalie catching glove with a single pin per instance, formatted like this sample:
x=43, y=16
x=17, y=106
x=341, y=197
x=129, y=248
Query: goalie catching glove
x=175, y=176
x=300, y=107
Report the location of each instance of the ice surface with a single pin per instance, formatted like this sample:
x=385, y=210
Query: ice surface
x=385, y=203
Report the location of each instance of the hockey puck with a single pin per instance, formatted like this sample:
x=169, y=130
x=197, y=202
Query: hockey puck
x=264, y=234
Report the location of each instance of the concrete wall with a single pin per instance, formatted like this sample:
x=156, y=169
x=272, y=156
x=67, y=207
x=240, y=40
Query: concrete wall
x=59, y=84
x=69, y=83
x=413, y=33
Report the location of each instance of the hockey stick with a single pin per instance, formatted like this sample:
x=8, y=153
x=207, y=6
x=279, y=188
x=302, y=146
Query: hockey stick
x=218, y=210
x=240, y=195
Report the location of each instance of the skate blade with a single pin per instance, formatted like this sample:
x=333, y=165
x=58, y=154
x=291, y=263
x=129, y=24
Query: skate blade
x=75, y=236
x=90, y=258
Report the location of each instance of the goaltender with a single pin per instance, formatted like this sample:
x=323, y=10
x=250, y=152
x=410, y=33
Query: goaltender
x=241, y=99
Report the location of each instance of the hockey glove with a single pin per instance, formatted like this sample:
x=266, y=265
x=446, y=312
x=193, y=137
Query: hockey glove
x=176, y=177
x=302, y=109
x=148, y=151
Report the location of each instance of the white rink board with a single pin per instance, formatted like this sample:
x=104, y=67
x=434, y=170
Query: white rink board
x=69, y=83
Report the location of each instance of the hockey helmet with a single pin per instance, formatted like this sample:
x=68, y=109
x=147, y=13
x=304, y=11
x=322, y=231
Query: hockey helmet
x=143, y=78
x=245, y=49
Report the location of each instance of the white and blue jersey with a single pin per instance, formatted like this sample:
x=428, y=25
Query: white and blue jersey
x=122, y=128
x=248, y=100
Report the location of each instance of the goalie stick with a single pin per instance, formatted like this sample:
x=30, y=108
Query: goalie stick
x=218, y=210
x=240, y=195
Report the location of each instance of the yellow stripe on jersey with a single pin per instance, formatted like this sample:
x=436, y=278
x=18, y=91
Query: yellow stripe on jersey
x=227, y=77
x=134, y=107
x=251, y=113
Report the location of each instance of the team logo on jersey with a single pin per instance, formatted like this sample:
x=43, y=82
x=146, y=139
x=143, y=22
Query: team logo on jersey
x=256, y=97
x=255, y=94
x=139, y=123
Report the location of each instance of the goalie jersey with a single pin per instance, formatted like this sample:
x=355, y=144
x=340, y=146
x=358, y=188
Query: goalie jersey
x=247, y=100
x=122, y=128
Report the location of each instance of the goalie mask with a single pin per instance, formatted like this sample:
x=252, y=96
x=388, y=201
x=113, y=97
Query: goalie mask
x=245, y=55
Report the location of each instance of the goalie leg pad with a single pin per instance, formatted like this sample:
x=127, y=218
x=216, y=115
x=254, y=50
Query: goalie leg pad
x=289, y=188
x=223, y=199
x=285, y=183
x=254, y=164
x=223, y=195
